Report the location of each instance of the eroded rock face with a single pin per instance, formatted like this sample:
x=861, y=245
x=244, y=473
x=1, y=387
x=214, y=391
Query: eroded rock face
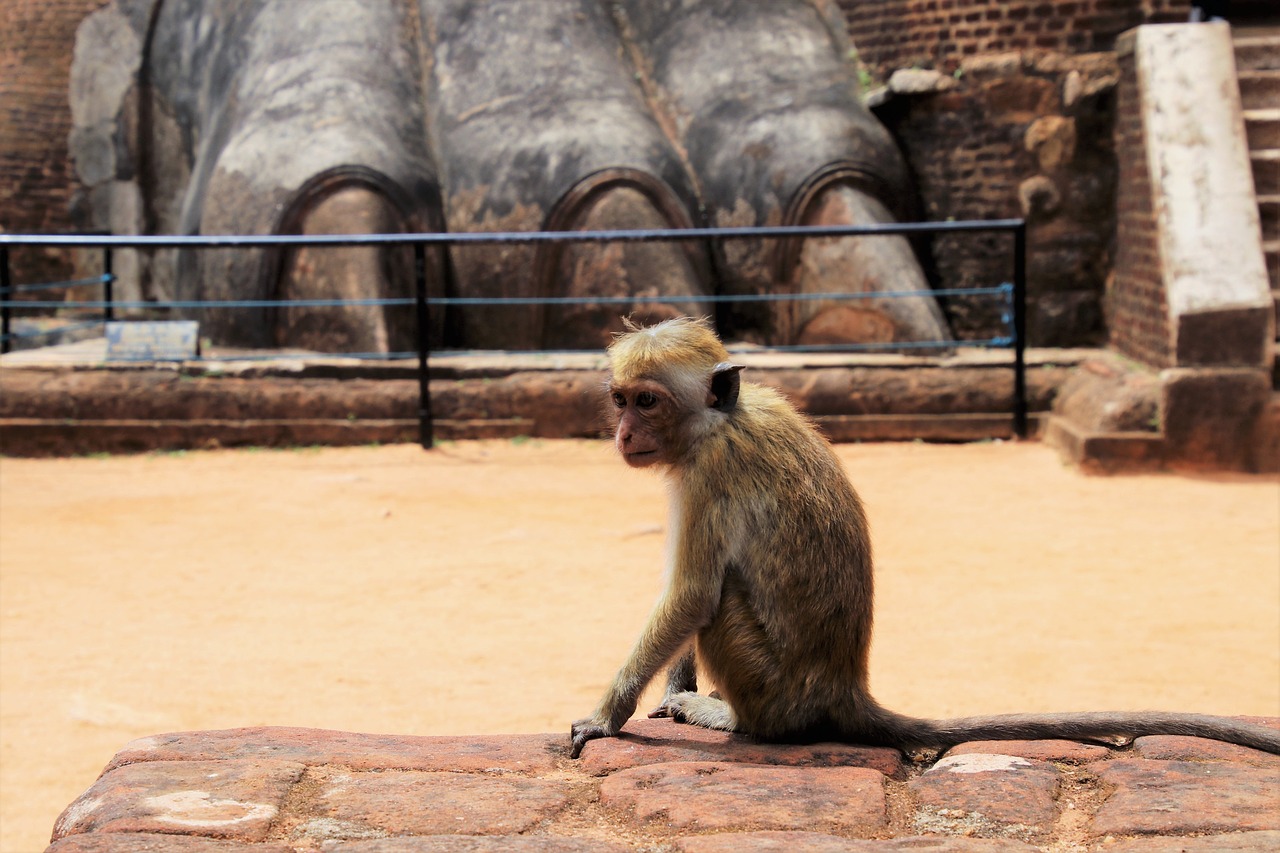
x=349, y=116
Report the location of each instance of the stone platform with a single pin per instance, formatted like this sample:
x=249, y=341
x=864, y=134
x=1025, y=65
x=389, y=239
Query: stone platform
x=665, y=786
x=69, y=399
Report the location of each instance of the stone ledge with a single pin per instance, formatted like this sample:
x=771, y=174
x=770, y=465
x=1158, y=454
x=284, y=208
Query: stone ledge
x=52, y=407
x=665, y=786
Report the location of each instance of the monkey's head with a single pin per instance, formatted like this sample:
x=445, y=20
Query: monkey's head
x=669, y=384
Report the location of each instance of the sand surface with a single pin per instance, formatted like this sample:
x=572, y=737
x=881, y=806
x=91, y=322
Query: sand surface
x=495, y=587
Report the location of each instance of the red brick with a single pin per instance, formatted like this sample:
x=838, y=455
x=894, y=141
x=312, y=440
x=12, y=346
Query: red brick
x=1183, y=797
x=706, y=795
x=529, y=753
x=814, y=842
x=132, y=842
x=476, y=844
x=1242, y=842
x=220, y=799
x=1002, y=788
x=1175, y=747
x=409, y=802
x=651, y=741
x=1065, y=751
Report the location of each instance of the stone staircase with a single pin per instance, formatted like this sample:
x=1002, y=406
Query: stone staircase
x=1258, y=70
x=1257, y=47
x=1114, y=416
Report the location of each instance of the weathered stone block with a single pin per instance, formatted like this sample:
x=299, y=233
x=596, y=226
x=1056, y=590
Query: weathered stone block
x=1242, y=842
x=1229, y=337
x=815, y=842
x=476, y=844
x=1183, y=798
x=1209, y=415
x=1001, y=788
x=406, y=802
x=707, y=795
x=1266, y=436
x=139, y=842
x=1104, y=396
x=1065, y=751
x=1053, y=140
x=1038, y=197
x=1176, y=747
x=236, y=800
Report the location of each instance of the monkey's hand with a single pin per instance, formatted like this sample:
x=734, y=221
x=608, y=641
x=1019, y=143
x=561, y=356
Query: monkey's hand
x=589, y=728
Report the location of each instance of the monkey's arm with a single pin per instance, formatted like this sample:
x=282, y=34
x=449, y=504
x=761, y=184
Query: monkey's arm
x=687, y=606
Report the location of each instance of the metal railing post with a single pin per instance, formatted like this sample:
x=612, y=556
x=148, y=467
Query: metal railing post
x=6, y=312
x=425, y=428
x=1020, y=330
x=108, y=286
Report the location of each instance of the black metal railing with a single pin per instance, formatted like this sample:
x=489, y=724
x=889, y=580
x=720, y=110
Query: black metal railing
x=1012, y=293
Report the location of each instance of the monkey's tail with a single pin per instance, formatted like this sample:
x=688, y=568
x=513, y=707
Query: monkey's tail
x=892, y=729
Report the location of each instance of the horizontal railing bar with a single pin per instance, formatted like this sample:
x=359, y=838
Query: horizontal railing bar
x=511, y=300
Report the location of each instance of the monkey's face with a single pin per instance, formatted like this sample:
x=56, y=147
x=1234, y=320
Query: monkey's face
x=646, y=416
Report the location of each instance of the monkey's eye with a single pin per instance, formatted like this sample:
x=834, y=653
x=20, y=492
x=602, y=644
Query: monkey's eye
x=646, y=399
x=619, y=400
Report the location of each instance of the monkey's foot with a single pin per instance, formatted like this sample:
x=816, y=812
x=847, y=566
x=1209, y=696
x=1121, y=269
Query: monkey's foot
x=698, y=710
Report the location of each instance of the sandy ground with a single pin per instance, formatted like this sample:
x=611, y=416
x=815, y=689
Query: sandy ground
x=494, y=587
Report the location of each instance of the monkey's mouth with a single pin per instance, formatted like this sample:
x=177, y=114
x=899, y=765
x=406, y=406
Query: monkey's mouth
x=640, y=458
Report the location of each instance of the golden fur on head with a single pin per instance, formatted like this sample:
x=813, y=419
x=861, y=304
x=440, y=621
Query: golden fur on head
x=682, y=345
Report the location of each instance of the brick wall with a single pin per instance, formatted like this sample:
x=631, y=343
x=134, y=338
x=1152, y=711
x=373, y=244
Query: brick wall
x=1019, y=135
x=979, y=149
x=938, y=34
x=36, y=176
x=1137, y=312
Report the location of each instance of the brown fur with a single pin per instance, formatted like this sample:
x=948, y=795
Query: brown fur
x=771, y=578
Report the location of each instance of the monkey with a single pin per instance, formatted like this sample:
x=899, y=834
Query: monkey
x=769, y=582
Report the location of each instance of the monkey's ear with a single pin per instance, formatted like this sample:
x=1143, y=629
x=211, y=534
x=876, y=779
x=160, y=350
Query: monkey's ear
x=724, y=386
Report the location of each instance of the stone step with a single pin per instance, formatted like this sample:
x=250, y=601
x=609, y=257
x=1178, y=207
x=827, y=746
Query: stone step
x=1257, y=52
x=1105, y=452
x=958, y=427
x=1259, y=89
x=1269, y=214
x=1265, y=164
x=1262, y=128
x=49, y=406
x=36, y=437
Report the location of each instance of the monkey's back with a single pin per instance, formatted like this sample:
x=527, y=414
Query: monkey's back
x=790, y=639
